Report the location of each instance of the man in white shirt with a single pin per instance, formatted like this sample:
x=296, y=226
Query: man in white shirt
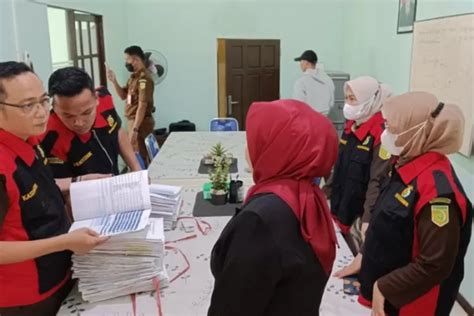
x=315, y=87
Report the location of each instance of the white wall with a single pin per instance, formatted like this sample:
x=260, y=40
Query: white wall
x=34, y=37
x=372, y=45
x=186, y=32
x=58, y=35
x=7, y=38
x=18, y=37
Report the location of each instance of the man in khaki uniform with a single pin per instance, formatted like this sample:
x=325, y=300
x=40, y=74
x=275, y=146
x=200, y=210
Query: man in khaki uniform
x=138, y=93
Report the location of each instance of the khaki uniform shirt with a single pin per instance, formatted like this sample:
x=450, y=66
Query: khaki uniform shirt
x=140, y=88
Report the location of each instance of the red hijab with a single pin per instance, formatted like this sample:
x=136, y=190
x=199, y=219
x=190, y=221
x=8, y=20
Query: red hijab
x=289, y=145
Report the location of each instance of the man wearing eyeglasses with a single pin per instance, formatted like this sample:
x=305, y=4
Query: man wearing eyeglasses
x=35, y=246
x=84, y=134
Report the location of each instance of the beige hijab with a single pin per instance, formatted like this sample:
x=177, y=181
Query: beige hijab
x=423, y=124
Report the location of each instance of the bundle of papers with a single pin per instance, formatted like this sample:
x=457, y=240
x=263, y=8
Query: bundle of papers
x=113, y=205
x=132, y=259
x=125, y=264
x=166, y=203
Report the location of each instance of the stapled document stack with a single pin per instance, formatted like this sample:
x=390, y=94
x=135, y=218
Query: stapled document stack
x=125, y=264
x=131, y=260
x=166, y=202
x=112, y=206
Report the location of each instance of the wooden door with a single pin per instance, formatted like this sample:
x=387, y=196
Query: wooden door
x=87, y=44
x=248, y=71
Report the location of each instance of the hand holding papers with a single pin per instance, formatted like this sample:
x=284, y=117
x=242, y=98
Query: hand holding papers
x=112, y=206
x=132, y=258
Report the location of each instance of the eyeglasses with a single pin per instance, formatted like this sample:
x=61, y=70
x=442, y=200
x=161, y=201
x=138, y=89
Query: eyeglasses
x=45, y=103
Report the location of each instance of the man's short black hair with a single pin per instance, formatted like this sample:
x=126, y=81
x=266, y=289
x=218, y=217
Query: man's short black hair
x=135, y=51
x=69, y=81
x=9, y=70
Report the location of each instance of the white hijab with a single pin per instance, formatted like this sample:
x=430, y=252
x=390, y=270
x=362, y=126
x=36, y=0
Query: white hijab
x=370, y=94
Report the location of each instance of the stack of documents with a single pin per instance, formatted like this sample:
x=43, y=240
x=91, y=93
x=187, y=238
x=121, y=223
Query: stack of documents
x=131, y=260
x=113, y=205
x=125, y=264
x=166, y=202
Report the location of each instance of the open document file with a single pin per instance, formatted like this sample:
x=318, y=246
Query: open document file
x=112, y=206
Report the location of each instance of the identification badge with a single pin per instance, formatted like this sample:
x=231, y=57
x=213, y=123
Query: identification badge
x=441, y=200
x=407, y=191
x=402, y=200
x=440, y=215
x=366, y=141
x=384, y=154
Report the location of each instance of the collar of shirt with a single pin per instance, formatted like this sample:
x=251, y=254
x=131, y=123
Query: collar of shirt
x=311, y=71
x=56, y=124
x=414, y=168
x=24, y=149
x=138, y=73
x=362, y=130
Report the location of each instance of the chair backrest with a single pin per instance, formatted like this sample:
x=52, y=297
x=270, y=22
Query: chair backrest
x=226, y=124
x=140, y=160
x=152, y=146
x=182, y=126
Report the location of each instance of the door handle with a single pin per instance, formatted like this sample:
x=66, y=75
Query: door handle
x=230, y=103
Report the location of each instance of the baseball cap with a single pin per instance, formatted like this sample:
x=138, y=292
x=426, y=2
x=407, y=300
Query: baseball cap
x=308, y=55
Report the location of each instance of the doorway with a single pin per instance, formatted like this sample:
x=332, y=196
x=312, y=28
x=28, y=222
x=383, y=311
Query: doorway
x=77, y=40
x=248, y=71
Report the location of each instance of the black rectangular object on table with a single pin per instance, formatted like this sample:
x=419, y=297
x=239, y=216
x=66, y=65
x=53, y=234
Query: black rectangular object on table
x=204, y=208
x=205, y=169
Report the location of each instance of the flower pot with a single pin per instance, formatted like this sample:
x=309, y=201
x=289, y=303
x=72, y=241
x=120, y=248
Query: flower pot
x=219, y=199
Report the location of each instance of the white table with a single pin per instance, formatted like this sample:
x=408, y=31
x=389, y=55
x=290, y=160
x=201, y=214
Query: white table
x=181, y=155
x=190, y=294
x=177, y=164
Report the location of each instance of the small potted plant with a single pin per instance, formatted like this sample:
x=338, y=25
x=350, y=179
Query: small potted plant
x=217, y=151
x=218, y=178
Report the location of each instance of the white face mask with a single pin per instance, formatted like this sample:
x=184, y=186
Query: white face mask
x=352, y=112
x=388, y=142
x=388, y=139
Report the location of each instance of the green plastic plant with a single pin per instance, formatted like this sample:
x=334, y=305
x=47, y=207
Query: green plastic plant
x=219, y=175
x=218, y=150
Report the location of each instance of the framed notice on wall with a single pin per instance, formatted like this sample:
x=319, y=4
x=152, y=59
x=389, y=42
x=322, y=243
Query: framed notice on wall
x=406, y=16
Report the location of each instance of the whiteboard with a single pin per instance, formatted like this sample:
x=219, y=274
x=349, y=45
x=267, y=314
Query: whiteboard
x=442, y=63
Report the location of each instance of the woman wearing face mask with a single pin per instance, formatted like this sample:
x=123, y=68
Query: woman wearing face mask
x=362, y=163
x=275, y=255
x=421, y=225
